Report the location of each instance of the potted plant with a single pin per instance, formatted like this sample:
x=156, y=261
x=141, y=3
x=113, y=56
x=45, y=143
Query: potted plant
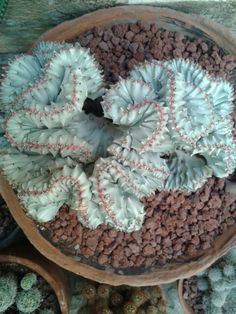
x=29, y=282
x=106, y=191
x=212, y=291
x=101, y=298
x=10, y=232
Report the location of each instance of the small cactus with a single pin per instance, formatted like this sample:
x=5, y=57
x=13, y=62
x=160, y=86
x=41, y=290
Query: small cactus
x=8, y=290
x=28, y=301
x=103, y=291
x=214, y=274
x=138, y=297
x=89, y=291
x=105, y=299
x=129, y=307
x=217, y=283
x=116, y=299
x=22, y=293
x=202, y=284
x=28, y=281
x=152, y=310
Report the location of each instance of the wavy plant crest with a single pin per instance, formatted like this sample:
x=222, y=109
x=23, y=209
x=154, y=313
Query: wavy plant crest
x=195, y=137
x=168, y=127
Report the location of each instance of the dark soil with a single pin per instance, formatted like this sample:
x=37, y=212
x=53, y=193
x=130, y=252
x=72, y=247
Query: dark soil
x=193, y=296
x=177, y=225
x=7, y=223
x=49, y=297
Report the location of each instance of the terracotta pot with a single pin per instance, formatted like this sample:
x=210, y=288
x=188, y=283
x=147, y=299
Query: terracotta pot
x=187, y=309
x=174, y=21
x=26, y=255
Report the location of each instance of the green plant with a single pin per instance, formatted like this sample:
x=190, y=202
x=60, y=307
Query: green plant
x=23, y=293
x=217, y=283
x=8, y=290
x=28, y=301
x=100, y=298
x=28, y=281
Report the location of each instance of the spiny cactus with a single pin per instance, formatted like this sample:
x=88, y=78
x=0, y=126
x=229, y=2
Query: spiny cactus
x=22, y=293
x=8, y=290
x=28, y=281
x=171, y=129
x=217, y=283
x=106, y=299
x=28, y=301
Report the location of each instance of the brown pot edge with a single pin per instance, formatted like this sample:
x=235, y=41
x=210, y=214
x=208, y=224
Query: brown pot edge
x=187, y=309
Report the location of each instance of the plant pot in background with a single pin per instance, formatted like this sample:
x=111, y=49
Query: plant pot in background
x=27, y=256
x=187, y=309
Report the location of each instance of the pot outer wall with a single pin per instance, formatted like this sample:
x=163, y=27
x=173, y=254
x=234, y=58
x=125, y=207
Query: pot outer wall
x=190, y=25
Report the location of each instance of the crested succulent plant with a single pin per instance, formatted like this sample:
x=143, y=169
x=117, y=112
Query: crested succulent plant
x=21, y=293
x=217, y=283
x=199, y=126
x=167, y=126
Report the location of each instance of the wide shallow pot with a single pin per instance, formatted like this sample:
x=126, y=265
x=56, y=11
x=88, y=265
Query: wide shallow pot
x=27, y=256
x=193, y=26
x=187, y=309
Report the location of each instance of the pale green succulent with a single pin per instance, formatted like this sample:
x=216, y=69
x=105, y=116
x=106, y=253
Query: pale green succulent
x=20, y=293
x=166, y=127
x=218, y=283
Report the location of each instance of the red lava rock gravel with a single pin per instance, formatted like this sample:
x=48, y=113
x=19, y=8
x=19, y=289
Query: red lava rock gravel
x=192, y=295
x=177, y=225
x=120, y=47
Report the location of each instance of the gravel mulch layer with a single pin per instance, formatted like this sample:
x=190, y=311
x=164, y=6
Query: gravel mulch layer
x=192, y=295
x=7, y=223
x=177, y=225
x=48, y=295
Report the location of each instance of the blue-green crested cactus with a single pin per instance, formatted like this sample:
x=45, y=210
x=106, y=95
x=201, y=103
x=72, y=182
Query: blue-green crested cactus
x=8, y=290
x=217, y=283
x=167, y=126
x=28, y=301
x=199, y=122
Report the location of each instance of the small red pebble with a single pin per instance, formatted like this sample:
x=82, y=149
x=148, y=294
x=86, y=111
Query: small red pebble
x=102, y=259
x=148, y=250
